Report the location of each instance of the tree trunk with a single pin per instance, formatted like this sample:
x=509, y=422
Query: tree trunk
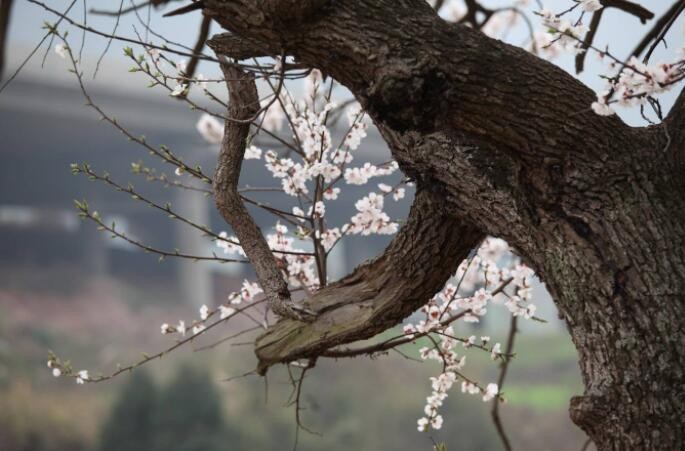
x=509, y=147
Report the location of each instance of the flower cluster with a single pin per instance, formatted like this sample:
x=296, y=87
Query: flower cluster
x=247, y=293
x=566, y=35
x=60, y=368
x=297, y=266
x=492, y=273
x=637, y=82
x=313, y=176
x=371, y=218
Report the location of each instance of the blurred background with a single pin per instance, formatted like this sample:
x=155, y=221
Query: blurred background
x=66, y=287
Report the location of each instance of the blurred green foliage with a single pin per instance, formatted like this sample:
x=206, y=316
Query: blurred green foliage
x=186, y=415
x=29, y=422
x=130, y=424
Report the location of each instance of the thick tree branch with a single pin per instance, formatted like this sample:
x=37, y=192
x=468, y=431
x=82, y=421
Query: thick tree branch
x=244, y=104
x=185, y=9
x=202, y=35
x=629, y=7
x=674, y=128
x=471, y=17
x=291, y=12
x=5, y=9
x=437, y=77
x=589, y=37
x=240, y=48
x=380, y=293
x=676, y=117
x=506, y=142
x=442, y=93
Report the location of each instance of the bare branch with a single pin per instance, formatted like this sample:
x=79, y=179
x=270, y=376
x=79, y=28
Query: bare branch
x=118, y=12
x=132, y=8
x=49, y=33
x=471, y=16
x=587, y=42
x=96, y=218
x=64, y=17
x=659, y=26
x=635, y=9
x=185, y=9
x=202, y=36
x=297, y=401
x=110, y=39
x=586, y=445
x=500, y=382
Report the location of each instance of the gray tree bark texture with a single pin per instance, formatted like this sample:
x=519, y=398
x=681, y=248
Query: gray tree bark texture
x=501, y=143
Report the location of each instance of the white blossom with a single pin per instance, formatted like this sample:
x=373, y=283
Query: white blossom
x=496, y=351
x=490, y=392
x=210, y=128
x=225, y=311
x=470, y=388
x=398, y=194
x=591, y=5
x=181, y=327
x=204, y=312
x=329, y=237
x=272, y=119
x=249, y=291
x=601, y=108
x=436, y=422
x=311, y=84
x=227, y=244
x=178, y=90
x=423, y=424
x=198, y=328
x=318, y=211
x=253, y=153
x=201, y=80
x=331, y=193
x=82, y=376
x=278, y=64
x=385, y=188
x=62, y=50
x=370, y=218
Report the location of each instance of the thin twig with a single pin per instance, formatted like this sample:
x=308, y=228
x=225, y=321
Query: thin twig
x=656, y=29
x=51, y=30
x=500, y=382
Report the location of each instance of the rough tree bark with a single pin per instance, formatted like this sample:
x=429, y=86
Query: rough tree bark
x=503, y=143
